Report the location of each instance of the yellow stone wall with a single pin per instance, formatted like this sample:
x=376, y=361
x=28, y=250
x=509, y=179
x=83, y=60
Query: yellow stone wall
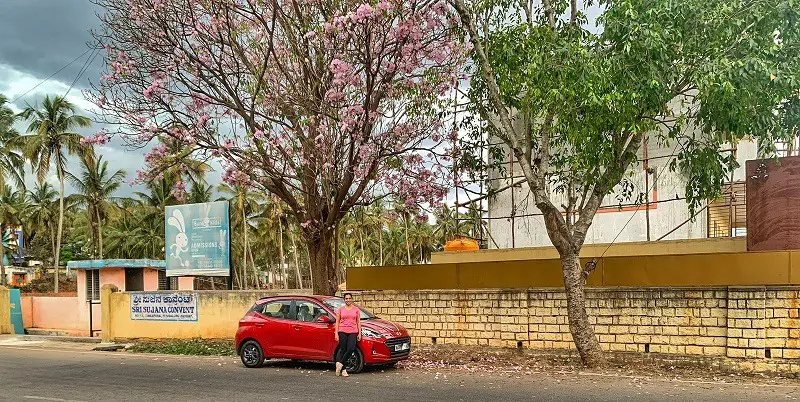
x=218, y=316
x=742, y=323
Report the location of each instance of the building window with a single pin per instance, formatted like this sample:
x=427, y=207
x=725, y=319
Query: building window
x=163, y=281
x=727, y=215
x=92, y=284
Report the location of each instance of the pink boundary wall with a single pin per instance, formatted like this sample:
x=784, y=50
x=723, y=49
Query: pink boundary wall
x=71, y=314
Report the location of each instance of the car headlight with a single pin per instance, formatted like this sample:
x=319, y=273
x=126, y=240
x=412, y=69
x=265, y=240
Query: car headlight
x=370, y=333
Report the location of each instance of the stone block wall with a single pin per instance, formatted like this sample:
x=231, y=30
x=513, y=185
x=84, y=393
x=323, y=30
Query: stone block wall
x=758, y=327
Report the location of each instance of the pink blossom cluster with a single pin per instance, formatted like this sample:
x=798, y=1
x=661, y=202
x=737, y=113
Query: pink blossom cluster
x=179, y=191
x=235, y=177
x=100, y=138
x=345, y=107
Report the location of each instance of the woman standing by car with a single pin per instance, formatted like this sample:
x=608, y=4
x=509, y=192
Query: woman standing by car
x=348, y=332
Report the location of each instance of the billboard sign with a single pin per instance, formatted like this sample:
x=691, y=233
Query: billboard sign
x=197, y=239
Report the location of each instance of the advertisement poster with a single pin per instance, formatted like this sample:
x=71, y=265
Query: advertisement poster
x=197, y=239
x=162, y=306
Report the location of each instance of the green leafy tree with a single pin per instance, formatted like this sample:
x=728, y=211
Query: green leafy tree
x=95, y=188
x=51, y=140
x=41, y=214
x=10, y=211
x=11, y=162
x=573, y=106
x=200, y=192
x=244, y=207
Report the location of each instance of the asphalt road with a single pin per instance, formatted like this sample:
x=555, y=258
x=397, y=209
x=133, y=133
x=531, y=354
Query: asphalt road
x=30, y=373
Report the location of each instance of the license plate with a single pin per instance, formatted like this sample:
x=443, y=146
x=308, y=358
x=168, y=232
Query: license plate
x=401, y=347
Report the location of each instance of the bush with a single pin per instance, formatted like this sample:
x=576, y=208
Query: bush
x=45, y=285
x=195, y=347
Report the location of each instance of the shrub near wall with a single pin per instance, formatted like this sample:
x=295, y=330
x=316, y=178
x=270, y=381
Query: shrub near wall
x=757, y=326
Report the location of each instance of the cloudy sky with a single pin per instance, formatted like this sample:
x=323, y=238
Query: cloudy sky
x=40, y=37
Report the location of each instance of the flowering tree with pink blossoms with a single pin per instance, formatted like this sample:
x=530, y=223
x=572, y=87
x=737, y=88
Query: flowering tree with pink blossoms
x=326, y=104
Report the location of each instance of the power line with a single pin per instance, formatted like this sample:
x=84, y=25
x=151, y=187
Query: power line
x=82, y=71
x=51, y=75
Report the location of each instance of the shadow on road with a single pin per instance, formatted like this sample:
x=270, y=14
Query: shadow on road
x=319, y=366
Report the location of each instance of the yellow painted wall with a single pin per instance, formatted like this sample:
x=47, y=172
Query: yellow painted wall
x=218, y=316
x=5, y=311
x=639, y=270
x=691, y=246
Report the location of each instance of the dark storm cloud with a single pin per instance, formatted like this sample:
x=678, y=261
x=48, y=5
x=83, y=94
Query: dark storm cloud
x=41, y=36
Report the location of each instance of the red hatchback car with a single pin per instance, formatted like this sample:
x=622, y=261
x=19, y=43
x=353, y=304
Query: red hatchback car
x=301, y=328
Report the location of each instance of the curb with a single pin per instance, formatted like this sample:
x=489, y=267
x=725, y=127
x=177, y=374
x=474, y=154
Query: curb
x=56, y=338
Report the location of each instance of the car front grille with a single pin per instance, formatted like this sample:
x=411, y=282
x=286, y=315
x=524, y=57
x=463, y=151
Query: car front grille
x=396, y=341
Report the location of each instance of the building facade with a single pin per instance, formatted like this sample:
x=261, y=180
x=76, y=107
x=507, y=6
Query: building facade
x=658, y=206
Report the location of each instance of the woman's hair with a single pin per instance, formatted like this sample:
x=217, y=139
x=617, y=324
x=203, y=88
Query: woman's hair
x=347, y=294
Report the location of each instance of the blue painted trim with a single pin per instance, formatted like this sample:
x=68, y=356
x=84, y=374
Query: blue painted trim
x=116, y=263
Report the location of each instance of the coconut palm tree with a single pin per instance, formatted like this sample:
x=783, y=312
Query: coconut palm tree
x=376, y=217
x=423, y=239
x=244, y=208
x=200, y=192
x=40, y=215
x=10, y=212
x=51, y=140
x=94, y=191
x=11, y=162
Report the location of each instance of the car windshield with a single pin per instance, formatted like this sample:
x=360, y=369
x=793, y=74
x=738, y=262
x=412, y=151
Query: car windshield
x=335, y=303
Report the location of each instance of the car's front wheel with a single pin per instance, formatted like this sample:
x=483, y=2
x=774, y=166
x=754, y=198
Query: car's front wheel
x=252, y=355
x=356, y=362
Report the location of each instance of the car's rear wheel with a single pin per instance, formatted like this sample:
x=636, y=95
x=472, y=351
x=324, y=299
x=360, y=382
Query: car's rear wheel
x=252, y=355
x=356, y=362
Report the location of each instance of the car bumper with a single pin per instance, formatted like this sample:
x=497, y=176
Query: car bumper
x=377, y=351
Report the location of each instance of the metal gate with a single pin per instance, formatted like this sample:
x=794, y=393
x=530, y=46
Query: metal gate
x=16, y=312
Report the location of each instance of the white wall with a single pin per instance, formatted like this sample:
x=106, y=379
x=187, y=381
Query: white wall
x=667, y=214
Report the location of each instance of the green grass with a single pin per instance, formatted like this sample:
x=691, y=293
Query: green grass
x=194, y=347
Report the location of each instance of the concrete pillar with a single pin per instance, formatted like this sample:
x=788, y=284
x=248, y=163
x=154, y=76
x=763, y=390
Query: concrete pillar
x=185, y=283
x=107, y=332
x=5, y=311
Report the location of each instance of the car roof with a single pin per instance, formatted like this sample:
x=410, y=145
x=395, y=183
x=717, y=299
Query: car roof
x=320, y=298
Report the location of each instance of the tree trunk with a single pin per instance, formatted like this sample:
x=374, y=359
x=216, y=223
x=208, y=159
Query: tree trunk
x=256, y=276
x=408, y=244
x=582, y=332
x=99, y=233
x=380, y=243
x=52, y=244
x=244, y=241
x=323, y=271
x=284, y=271
x=361, y=240
x=60, y=222
x=3, y=254
x=310, y=271
x=337, y=267
x=299, y=282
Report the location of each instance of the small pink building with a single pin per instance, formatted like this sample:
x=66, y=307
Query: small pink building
x=70, y=315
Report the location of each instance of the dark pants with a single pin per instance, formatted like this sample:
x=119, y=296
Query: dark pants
x=347, y=345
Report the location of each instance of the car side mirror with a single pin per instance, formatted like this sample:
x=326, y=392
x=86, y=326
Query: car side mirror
x=325, y=319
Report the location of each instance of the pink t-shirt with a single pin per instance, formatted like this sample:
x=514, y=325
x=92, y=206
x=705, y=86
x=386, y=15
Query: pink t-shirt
x=348, y=323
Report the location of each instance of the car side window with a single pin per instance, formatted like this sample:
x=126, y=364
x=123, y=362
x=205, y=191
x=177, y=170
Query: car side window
x=309, y=311
x=278, y=309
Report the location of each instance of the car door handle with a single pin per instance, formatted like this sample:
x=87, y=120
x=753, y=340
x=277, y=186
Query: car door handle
x=259, y=324
x=297, y=327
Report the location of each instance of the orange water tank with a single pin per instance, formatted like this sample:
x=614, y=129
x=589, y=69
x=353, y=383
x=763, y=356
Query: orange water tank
x=461, y=244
